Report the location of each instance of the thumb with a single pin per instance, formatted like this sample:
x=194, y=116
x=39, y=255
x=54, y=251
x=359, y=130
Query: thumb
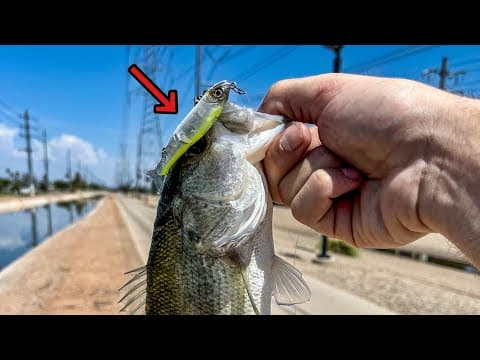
x=284, y=153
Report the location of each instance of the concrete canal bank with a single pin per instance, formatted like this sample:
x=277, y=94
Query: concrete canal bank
x=21, y=203
x=76, y=271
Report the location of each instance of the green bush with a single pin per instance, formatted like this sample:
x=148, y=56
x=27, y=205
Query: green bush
x=4, y=185
x=341, y=247
x=61, y=185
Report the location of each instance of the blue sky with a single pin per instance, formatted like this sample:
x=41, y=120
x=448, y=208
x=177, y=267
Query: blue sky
x=78, y=93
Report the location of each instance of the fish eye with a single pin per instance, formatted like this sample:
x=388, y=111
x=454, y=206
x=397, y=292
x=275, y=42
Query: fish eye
x=199, y=147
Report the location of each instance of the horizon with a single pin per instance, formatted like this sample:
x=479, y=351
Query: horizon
x=78, y=92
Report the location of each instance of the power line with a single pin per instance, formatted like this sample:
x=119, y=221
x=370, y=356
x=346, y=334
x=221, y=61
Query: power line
x=225, y=57
x=467, y=61
x=10, y=113
x=264, y=63
x=239, y=52
x=185, y=73
x=392, y=56
x=472, y=70
x=470, y=83
x=5, y=105
x=10, y=119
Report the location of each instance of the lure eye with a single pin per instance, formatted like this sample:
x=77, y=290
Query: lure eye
x=218, y=93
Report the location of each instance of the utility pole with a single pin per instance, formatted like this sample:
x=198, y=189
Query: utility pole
x=138, y=172
x=28, y=149
x=198, y=68
x=69, y=169
x=443, y=73
x=45, y=159
x=123, y=165
x=337, y=60
x=33, y=217
x=337, y=64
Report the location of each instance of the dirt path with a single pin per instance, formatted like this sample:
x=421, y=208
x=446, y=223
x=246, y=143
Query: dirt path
x=402, y=285
x=78, y=271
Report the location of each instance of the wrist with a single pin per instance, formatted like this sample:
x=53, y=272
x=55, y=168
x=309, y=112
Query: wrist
x=449, y=198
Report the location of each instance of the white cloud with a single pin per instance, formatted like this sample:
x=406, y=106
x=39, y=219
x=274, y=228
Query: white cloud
x=7, y=134
x=7, y=143
x=80, y=150
x=83, y=153
x=102, y=155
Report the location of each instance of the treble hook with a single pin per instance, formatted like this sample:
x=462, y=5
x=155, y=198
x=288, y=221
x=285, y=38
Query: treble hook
x=235, y=88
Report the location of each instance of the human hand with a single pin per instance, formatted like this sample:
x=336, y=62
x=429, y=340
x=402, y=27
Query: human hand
x=409, y=140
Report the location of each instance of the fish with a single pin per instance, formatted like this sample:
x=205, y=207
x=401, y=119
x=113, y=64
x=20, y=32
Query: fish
x=212, y=249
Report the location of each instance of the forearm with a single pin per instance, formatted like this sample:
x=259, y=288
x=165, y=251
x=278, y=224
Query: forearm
x=451, y=186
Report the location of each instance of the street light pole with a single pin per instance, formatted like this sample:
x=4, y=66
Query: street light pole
x=337, y=61
x=337, y=64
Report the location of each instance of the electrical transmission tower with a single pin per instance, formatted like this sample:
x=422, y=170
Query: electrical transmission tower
x=155, y=62
x=122, y=172
x=443, y=73
x=27, y=129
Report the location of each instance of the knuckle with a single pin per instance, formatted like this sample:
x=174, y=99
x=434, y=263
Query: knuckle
x=284, y=192
x=273, y=190
x=319, y=181
x=299, y=213
x=278, y=87
x=271, y=152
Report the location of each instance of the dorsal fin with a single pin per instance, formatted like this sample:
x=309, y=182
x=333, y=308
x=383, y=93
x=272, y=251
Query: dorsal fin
x=135, y=290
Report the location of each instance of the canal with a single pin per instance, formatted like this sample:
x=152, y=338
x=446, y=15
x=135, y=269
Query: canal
x=21, y=231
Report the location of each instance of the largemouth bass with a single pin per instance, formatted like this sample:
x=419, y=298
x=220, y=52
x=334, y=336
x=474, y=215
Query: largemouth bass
x=212, y=248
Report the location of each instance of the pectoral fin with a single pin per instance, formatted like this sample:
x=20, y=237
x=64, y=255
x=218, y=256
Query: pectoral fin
x=288, y=285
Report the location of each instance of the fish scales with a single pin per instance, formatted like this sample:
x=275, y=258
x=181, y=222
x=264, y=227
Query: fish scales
x=212, y=248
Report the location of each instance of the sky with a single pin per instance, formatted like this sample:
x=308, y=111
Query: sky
x=78, y=93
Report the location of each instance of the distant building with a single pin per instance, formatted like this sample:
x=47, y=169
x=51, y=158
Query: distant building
x=30, y=190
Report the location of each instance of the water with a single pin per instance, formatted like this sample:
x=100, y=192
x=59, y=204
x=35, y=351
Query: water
x=21, y=231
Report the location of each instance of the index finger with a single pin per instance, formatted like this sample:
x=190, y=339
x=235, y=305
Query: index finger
x=280, y=159
x=301, y=99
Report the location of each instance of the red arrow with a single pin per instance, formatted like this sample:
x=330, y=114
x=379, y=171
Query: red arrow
x=168, y=105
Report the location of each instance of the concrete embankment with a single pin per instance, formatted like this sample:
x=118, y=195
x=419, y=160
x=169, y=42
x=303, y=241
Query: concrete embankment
x=76, y=271
x=22, y=203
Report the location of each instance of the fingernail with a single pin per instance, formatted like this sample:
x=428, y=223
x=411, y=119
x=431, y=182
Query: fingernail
x=291, y=138
x=352, y=174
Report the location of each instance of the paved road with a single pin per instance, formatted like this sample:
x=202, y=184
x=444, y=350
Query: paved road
x=326, y=300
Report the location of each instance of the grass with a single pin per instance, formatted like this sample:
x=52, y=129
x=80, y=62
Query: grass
x=341, y=247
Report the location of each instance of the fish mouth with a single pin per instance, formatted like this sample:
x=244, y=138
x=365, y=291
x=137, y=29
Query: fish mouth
x=265, y=128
